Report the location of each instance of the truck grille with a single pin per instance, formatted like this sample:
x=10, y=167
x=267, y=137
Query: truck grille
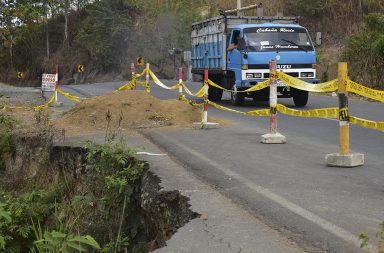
x=293, y=74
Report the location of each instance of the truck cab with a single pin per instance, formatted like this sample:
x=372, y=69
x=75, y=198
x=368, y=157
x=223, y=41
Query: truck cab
x=255, y=41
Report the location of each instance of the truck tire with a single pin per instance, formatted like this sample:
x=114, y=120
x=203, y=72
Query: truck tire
x=237, y=98
x=261, y=95
x=215, y=94
x=300, y=97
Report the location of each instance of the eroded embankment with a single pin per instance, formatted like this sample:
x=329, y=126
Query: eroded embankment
x=91, y=198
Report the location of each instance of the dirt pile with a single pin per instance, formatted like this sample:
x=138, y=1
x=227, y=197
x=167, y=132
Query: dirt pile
x=128, y=109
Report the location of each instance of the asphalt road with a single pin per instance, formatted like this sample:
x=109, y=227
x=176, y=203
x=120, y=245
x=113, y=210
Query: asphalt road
x=288, y=186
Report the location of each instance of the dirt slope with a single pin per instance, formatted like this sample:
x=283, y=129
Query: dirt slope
x=128, y=109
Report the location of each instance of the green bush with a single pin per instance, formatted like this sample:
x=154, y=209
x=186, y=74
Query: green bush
x=7, y=144
x=365, y=52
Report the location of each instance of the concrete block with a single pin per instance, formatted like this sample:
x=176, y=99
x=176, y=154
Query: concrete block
x=273, y=138
x=347, y=161
x=208, y=125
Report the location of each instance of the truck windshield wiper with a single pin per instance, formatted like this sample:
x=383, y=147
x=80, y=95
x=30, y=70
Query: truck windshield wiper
x=295, y=44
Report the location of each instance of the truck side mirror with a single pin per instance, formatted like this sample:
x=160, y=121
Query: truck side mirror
x=240, y=43
x=318, y=38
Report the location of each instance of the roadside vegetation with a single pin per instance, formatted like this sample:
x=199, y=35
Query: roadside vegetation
x=107, y=35
x=96, y=198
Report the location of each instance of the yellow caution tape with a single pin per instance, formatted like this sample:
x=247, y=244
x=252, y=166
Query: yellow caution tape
x=263, y=112
x=36, y=108
x=256, y=87
x=5, y=107
x=301, y=85
x=158, y=82
x=376, y=125
x=332, y=112
x=135, y=76
x=69, y=96
x=46, y=105
x=128, y=86
x=200, y=93
x=377, y=95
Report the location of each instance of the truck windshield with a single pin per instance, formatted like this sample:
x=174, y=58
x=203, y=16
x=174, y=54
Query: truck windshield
x=268, y=39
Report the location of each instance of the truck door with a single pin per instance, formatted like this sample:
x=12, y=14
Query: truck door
x=233, y=55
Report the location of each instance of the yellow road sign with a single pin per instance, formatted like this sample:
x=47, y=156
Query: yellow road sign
x=20, y=74
x=80, y=68
x=140, y=61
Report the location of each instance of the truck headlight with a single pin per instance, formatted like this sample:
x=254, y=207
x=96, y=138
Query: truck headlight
x=249, y=75
x=253, y=75
x=307, y=74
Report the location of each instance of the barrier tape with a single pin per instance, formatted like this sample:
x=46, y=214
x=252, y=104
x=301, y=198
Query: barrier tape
x=158, y=82
x=332, y=112
x=302, y=85
x=359, y=89
x=36, y=108
x=135, y=76
x=263, y=112
x=376, y=125
x=200, y=93
x=5, y=107
x=258, y=86
x=128, y=86
x=69, y=96
x=46, y=105
x=145, y=85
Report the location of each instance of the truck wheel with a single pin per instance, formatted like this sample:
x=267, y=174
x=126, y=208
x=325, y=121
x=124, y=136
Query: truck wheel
x=214, y=94
x=261, y=95
x=300, y=97
x=237, y=98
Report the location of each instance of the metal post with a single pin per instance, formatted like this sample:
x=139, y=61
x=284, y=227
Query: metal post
x=205, y=116
x=204, y=124
x=273, y=96
x=133, y=72
x=180, y=83
x=273, y=137
x=148, y=89
x=56, y=82
x=344, y=158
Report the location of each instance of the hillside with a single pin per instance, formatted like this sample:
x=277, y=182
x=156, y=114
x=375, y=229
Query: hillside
x=106, y=36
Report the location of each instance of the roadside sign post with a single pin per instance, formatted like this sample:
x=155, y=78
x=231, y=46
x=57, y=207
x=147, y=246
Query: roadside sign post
x=273, y=137
x=344, y=158
x=48, y=82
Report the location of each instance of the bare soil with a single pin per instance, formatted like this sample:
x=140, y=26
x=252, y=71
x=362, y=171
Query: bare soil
x=128, y=109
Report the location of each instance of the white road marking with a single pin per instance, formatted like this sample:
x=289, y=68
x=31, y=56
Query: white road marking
x=326, y=225
x=151, y=154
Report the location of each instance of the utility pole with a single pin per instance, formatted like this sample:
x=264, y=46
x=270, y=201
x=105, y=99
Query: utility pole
x=239, y=13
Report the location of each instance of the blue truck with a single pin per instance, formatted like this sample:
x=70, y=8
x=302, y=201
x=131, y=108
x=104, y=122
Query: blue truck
x=258, y=40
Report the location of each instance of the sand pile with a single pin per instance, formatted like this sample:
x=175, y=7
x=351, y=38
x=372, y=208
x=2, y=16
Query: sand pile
x=128, y=109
